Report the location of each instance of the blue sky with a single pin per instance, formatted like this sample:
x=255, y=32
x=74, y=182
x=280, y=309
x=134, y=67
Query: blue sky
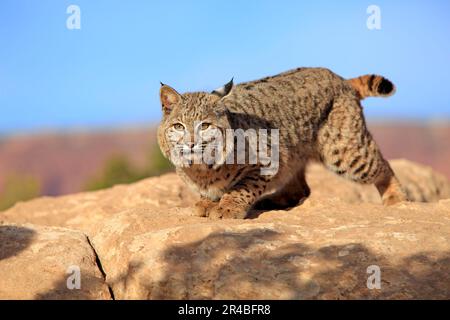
x=108, y=72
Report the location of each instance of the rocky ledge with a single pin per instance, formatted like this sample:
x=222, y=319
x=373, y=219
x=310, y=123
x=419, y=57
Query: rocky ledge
x=141, y=241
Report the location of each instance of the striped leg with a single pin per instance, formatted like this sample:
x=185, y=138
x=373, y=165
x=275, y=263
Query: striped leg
x=236, y=203
x=348, y=149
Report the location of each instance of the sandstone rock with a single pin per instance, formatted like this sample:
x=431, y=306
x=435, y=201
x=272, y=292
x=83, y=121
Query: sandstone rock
x=150, y=246
x=84, y=210
x=321, y=250
x=35, y=264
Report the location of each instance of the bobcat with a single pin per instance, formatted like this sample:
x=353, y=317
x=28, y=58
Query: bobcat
x=319, y=117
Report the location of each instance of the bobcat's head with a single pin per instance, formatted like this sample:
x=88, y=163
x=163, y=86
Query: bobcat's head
x=193, y=128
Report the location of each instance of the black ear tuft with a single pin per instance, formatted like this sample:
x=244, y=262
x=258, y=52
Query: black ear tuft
x=225, y=90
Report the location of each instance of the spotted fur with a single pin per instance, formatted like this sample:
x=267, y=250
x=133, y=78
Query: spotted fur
x=320, y=118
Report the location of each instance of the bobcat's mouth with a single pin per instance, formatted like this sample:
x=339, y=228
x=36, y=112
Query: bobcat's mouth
x=209, y=154
x=189, y=157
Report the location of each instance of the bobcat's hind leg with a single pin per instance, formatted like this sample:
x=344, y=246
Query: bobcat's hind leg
x=289, y=196
x=389, y=187
x=347, y=148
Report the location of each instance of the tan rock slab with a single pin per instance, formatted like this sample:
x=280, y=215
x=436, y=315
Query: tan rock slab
x=84, y=210
x=321, y=250
x=36, y=262
x=150, y=246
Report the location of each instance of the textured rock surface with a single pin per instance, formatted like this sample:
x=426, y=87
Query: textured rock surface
x=35, y=263
x=84, y=210
x=150, y=245
x=319, y=250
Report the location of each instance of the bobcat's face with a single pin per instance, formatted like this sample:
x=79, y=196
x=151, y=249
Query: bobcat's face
x=193, y=128
x=195, y=138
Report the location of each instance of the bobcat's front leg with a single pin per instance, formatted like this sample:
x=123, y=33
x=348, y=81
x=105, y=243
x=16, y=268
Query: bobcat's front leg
x=204, y=206
x=236, y=203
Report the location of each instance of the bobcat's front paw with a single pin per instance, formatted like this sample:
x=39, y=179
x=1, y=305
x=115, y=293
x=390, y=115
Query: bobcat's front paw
x=228, y=208
x=203, y=207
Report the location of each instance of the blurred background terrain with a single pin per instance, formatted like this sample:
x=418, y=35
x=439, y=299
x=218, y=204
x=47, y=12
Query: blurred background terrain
x=56, y=164
x=79, y=107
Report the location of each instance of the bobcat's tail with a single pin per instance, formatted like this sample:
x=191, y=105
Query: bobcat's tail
x=372, y=85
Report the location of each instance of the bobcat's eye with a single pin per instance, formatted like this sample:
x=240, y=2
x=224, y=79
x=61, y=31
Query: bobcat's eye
x=178, y=127
x=205, y=125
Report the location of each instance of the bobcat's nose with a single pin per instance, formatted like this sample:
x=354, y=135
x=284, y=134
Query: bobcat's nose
x=190, y=144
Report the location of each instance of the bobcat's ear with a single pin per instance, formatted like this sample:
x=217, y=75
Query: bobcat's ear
x=225, y=90
x=169, y=97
